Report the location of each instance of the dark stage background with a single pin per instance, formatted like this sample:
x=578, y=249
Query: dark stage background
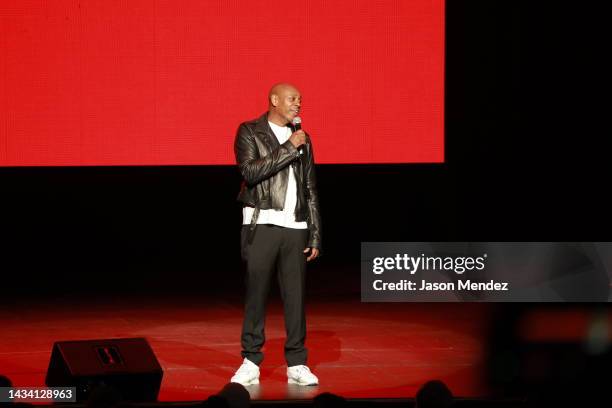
x=511, y=173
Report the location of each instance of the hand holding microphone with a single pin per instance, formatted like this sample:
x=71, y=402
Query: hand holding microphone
x=298, y=138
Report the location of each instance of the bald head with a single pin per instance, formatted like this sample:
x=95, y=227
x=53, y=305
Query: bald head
x=284, y=101
x=281, y=89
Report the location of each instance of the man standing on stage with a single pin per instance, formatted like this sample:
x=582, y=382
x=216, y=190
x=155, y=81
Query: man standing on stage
x=281, y=228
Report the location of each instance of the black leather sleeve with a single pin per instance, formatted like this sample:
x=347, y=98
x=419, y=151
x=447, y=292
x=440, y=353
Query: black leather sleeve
x=312, y=195
x=254, y=168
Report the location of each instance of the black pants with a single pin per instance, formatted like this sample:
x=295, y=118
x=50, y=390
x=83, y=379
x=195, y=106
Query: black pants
x=275, y=249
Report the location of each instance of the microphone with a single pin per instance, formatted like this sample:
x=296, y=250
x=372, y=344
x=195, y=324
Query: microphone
x=297, y=124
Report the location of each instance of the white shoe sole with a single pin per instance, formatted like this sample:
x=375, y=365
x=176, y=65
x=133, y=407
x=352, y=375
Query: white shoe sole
x=292, y=381
x=246, y=384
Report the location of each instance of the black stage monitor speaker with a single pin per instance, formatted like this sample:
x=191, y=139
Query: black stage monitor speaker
x=128, y=365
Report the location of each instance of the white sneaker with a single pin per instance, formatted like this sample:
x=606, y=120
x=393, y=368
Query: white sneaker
x=247, y=373
x=301, y=375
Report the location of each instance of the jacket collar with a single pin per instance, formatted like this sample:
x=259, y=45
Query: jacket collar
x=263, y=128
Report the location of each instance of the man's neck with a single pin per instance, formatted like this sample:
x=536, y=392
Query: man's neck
x=277, y=120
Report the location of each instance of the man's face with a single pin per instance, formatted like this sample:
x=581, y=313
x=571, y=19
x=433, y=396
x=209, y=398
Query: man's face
x=288, y=103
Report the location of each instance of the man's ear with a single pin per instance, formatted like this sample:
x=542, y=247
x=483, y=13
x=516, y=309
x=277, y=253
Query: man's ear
x=274, y=100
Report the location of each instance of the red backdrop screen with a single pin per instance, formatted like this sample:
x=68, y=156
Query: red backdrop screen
x=166, y=82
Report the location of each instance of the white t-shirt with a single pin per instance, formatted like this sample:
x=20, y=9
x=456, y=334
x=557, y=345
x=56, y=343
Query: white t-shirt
x=286, y=216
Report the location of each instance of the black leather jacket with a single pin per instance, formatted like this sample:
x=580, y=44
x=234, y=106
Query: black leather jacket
x=264, y=165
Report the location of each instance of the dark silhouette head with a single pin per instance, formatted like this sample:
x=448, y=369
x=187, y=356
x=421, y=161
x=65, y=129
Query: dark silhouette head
x=434, y=394
x=236, y=395
x=328, y=400
x=5, y=381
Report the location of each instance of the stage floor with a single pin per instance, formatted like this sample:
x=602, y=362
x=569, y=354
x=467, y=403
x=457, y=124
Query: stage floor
x=358, y=350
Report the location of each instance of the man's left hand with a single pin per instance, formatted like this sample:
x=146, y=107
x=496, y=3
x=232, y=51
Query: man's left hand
x=314, y=252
